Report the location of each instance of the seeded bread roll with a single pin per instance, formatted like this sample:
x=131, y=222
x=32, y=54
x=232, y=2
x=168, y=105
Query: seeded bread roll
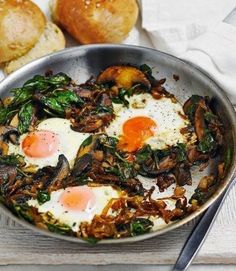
x=21, y=25
x=96, y=21
x=50, y=41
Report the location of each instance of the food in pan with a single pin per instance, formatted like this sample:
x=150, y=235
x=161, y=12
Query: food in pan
x=25, y=34
x=95, y=160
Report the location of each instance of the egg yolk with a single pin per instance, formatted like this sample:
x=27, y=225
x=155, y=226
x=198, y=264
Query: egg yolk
x=79, y=198
x=135, y=131
x=40, y=144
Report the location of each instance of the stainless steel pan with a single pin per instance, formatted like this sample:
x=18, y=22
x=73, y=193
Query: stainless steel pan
x=82, y=62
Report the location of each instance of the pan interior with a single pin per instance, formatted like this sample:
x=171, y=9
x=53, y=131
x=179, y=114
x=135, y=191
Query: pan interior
x=82, y=62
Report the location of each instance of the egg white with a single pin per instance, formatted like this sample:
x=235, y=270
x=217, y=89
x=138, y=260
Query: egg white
x=103, y=194
x=166, y=114
x=69, y=143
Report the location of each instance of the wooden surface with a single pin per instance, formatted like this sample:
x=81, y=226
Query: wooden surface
x=22, y=246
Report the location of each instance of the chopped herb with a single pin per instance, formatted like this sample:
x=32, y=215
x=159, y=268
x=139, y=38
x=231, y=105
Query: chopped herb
x=207, y=144
x=143, y=154
x=140, y=226
x=59, y=228
x=43, y=196
x=12, y=160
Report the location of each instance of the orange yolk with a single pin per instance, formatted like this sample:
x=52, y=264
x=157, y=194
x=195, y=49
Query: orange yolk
x=135, y=131
x=40, y=144
x=78, y=198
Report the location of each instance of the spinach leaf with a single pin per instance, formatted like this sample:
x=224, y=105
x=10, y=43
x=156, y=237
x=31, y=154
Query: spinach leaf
x=87, y=141
x=207, y=144
x=59, y=228
x=11, y=160
x=181, y=152
x=60, y=100
x=25, y=117
x=21, y=95
x=121, y=98
x=143, y=154
x=42, y=197
x=39, y=82
x=140, y=226
x=6, y=113
x=114, y=170
x=148, y=72
x=22, y=211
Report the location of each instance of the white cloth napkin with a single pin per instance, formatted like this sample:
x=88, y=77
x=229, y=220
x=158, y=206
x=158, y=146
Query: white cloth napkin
x=193, y=30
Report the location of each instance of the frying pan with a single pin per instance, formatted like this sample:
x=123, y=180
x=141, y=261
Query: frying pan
x=83, y=61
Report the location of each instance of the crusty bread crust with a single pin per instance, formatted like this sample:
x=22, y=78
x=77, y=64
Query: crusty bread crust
x=50, y=41
x=21, y=24
x=94, y=21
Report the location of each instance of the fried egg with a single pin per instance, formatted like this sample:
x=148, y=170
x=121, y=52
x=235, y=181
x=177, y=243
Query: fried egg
x=51, y=138
x=74, y=205
x=157, y=122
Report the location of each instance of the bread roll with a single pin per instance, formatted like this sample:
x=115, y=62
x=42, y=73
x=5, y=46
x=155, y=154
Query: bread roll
x=21, y=25
x=50, y=41
x=96, y=21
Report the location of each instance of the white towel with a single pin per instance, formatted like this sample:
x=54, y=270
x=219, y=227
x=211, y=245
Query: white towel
x=194, y=31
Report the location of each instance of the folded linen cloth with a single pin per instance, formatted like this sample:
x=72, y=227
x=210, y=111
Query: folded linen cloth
x=193, y=30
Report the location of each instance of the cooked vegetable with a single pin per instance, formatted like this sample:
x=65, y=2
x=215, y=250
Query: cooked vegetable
x=140, y=226
x=25, y=117
x=207, y=143
x=43, y=196
x=59, y=101
x=123, y=77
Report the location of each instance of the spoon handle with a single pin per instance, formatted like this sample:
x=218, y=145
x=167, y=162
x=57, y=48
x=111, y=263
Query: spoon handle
x=200, y=231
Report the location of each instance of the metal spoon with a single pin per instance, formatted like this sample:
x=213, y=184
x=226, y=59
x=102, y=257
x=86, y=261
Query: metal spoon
x=200, y=231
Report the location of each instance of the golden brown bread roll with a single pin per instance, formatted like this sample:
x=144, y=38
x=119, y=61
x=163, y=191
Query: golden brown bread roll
x=96, y=21
x=21, y=25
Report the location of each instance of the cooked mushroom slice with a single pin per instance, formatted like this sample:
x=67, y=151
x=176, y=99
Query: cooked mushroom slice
x=82, y=165
x=182, y=174
x=61, y=171
x=123, y=76
x=7, y=173
x=15, y=121
x=199, y=122
x=8, y=131
x=133, y=187
x=165, y=165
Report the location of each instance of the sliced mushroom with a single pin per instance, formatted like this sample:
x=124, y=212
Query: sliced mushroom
x=15, y=121
x=123, y=76
x=8, y=131
x=182, y=174
x=61, y=171
x=7, y=173
x=194, y=155
x=82, y=165
x=133, y=187
x=165, y=165
x=199, y=122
